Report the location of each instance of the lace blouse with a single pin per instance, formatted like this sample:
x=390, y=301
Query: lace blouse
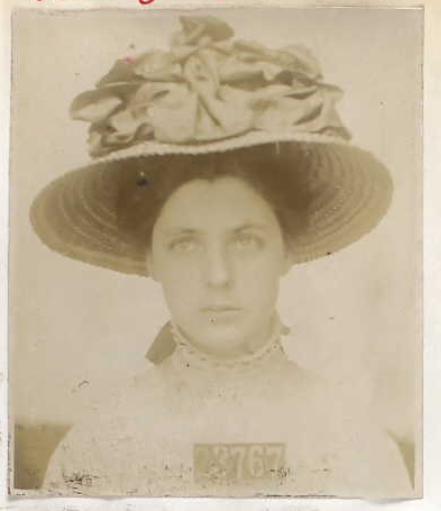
x=197, y=426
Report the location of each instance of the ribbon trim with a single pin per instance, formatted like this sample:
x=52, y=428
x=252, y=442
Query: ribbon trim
x=208, y=87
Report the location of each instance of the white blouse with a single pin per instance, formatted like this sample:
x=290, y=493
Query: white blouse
x=195, y=426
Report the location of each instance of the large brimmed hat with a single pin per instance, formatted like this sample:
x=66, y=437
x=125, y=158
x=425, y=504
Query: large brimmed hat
x=211, y=93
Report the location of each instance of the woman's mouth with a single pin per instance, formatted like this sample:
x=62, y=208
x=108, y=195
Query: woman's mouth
x=221, y=308
x=222, y=312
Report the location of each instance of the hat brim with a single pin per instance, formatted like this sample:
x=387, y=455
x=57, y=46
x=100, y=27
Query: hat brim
x=75, y=215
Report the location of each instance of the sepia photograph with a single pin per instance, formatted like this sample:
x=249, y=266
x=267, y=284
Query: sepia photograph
x=215, y=253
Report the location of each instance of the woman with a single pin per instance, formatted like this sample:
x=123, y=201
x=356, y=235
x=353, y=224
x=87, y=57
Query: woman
x=221, y=164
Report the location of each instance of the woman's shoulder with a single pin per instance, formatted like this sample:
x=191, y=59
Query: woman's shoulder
x=365, y=457
x=91, y=449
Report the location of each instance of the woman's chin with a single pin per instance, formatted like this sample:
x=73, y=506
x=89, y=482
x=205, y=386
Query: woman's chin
x=224, y=341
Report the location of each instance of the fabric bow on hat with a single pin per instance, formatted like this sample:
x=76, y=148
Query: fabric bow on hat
x=207, y=87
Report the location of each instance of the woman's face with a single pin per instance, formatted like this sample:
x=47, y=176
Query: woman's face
x=218, y=252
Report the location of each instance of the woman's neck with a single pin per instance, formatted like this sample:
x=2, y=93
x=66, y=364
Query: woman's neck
x=248, y=351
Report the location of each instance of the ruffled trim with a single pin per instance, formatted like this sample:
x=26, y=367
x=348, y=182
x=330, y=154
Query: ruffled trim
x=208, y=87
x=195, y=357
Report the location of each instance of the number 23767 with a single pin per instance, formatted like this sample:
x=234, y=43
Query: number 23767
x=238, y=462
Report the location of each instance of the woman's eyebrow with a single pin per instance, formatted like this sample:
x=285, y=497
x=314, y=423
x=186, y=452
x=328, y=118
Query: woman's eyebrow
x=252, y=226
x=182, y=231
x=192, y=231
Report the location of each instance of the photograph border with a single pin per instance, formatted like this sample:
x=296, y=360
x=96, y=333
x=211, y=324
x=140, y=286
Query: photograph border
x=432, y=70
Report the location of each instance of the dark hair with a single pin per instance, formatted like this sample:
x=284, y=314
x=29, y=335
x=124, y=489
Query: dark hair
x=276, y=172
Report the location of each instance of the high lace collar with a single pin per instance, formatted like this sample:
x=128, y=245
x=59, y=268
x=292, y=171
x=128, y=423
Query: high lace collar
x=271, y=351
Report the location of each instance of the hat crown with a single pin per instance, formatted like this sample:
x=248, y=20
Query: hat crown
x=208, y=87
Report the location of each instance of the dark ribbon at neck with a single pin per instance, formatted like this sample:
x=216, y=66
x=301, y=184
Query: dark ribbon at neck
x=163, y=345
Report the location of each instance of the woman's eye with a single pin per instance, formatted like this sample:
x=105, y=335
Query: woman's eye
x=184, y=245
x=248, y=242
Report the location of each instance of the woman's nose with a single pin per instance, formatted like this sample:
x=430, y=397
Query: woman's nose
x=218, y=270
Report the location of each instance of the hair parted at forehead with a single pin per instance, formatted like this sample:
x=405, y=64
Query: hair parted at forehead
x=276, y=172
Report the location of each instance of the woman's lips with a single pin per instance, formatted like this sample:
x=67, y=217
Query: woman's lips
x=220, y=308
x=221, y=312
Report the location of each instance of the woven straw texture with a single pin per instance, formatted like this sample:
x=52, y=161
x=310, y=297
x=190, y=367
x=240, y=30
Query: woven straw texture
x=75, y=215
